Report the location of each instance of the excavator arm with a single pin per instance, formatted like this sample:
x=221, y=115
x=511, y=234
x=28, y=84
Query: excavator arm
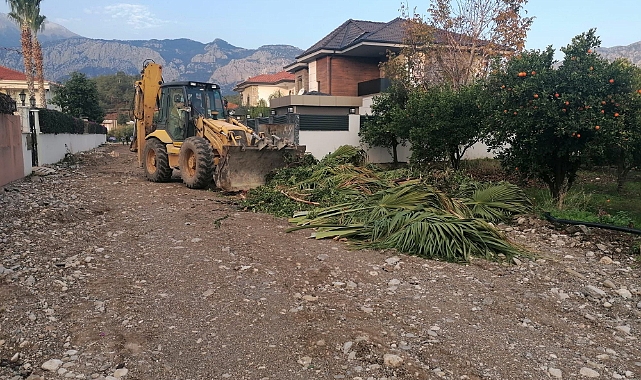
x=147, y=91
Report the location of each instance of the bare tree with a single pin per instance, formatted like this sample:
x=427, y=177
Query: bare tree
x=457, y=40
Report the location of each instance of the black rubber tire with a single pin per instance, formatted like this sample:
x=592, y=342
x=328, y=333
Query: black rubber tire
x=156, y=162
x=196, y=162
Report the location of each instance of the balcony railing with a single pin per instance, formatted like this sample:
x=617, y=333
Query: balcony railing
x=374, y=86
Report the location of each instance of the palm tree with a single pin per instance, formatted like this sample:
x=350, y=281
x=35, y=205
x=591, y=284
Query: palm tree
x=26, y=13
x=37, y=24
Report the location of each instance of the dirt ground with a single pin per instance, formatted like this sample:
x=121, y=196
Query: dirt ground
x=104, y=275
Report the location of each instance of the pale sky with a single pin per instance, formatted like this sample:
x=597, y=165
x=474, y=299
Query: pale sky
x=253, y=23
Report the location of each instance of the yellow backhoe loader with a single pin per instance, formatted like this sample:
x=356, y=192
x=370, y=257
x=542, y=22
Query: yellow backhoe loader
x=185, y=126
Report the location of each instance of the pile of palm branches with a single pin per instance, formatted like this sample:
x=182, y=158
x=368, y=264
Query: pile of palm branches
x=338, y=197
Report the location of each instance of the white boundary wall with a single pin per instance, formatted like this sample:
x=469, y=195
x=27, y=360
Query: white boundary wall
x=52, y=148
x=26, y=154
x=320, y=143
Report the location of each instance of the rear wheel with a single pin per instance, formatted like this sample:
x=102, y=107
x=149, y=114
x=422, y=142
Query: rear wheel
x=196, y=163
x=156, y=163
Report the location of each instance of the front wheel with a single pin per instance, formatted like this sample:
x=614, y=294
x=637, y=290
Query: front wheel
x=156, y=163
x=196, y=163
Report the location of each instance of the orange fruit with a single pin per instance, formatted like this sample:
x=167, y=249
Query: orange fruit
x=533, y=72
x=536, y=96
x=556, y=95
x=597, y=127
x=616, y=114
x=567, y=103
x=578, y=135
x=611, y=80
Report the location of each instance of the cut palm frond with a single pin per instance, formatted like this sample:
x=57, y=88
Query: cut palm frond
x=412, y=218
x=375, y=210
x=494, y=202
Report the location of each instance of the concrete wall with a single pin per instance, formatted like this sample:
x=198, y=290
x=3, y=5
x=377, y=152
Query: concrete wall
x=52, y=148
x=26, y=154
x=11, y=158
x=320, y=143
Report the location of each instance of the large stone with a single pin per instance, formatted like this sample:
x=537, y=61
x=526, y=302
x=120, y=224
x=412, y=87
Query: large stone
x=555, y=372
x=52, y=365
x=606, y=260
x=625, y=293
x=391, y=360
x=593, y=291
x=121, y=372
x=588, y=372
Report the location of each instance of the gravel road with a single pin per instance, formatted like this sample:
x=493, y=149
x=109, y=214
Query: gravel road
x=104, y=275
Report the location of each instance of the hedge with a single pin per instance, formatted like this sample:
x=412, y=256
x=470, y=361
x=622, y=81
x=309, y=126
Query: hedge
x=52, y=121
x=7, y=105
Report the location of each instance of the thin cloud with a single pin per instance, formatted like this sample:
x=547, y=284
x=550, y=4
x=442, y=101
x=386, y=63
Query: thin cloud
x=63, y=20
x=135, y=15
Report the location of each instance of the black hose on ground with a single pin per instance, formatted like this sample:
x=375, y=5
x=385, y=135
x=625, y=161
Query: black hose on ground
x=590, y=224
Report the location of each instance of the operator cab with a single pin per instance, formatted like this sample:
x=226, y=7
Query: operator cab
x=181, y=103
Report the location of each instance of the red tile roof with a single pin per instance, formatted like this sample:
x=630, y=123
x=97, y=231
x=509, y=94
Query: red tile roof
x=282, y=76
x=8, y=74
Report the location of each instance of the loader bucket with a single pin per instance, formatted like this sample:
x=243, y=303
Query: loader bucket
x=245, y=168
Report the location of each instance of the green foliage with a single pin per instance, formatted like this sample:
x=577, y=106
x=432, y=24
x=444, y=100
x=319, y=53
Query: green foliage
x=618, y=142
x=260, y=110
x=413, y=218
x=78, y=97
x=545, y=118
x=52, y=121
x=270, y=200
x=123, y=118
x=115, y=92
x=445, y=122
x=122, y=131
x=494, y=202
x=388, y=127
x=595, y=200
x=235, y=98
x=7, y=105
x=341, y=198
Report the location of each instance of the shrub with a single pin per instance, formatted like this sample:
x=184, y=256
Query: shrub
x=52, y=121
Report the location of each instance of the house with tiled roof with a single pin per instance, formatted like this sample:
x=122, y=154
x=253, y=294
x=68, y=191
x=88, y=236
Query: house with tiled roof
x=13, y=82
x=265, y=87
x=336, y=80
x=343, y=67
x=349, y=55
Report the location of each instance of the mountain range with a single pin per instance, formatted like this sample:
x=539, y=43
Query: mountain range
x=631, y=52
x=182, y=59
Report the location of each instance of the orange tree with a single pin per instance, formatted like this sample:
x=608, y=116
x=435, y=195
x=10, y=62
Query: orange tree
x=546, y=118
x=388, y=127
x=619, y=140
x=445, y=122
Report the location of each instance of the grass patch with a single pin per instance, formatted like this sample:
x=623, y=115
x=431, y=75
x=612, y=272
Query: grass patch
x=594, y=198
